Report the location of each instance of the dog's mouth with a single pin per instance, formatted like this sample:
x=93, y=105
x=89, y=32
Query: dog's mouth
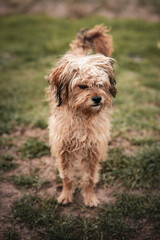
x=96, y=105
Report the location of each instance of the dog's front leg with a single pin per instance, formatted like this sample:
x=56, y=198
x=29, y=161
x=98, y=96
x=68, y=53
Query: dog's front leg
x=66, y=172
x=90, y=167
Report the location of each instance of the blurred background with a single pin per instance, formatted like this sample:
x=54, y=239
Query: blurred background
x=143, y=9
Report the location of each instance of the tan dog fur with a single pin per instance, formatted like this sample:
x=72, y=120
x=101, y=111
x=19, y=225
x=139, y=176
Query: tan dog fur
x=79, y=128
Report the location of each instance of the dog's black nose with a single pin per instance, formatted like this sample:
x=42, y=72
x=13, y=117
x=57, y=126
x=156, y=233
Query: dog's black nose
x=97, y=99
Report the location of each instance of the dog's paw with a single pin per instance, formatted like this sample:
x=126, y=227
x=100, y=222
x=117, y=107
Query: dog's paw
x=64, y=198
x=91, y=201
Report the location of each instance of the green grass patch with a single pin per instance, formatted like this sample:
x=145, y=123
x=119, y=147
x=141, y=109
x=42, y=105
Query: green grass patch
x=122, y=220
x=27, y=54
x=7, y=157
x=6, y=142
x=11, y=234
x=34, y=148
x=28, y=181
x=143, y=141
x=7, y=166
x=133, y=172
x=6, y=163
x=40, y=124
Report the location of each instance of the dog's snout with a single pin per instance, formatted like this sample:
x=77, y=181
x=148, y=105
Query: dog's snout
x=97, y=99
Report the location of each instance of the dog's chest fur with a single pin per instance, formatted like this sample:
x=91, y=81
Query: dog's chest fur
x=74, y=133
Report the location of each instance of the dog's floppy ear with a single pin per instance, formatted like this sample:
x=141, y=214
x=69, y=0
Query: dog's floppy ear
x=112, y=87
x=108, y=68
x=59, y=81
x=112, y=81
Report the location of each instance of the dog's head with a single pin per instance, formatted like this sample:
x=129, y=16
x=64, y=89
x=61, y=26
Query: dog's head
x=84, y=83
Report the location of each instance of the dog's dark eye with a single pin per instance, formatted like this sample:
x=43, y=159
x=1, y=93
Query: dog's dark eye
x=82, y=86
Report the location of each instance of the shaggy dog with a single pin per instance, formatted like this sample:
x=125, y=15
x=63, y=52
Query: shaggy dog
x=80, y=93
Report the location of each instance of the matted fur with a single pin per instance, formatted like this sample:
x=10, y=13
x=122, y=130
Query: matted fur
x=79, y=125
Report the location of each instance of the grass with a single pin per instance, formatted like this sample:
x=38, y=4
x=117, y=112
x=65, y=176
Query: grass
x=134, y=172
x=28, y=181
x=7, y=166
x=30, y=58
x=29, y=47
x=122, y=220
x=6, y=163
x=34, y=148
x=142, y=141
x=7, y=157
x=6, y=143
x=12, y=234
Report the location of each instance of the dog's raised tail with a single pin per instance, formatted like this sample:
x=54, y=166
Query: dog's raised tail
x=96, y=39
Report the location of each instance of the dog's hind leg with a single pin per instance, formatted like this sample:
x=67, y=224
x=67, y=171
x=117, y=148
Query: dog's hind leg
x=90, y=168
x=66, y=172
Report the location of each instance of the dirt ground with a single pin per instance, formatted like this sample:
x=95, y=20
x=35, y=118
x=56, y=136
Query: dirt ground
x=46, y=170
x=45, y=165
